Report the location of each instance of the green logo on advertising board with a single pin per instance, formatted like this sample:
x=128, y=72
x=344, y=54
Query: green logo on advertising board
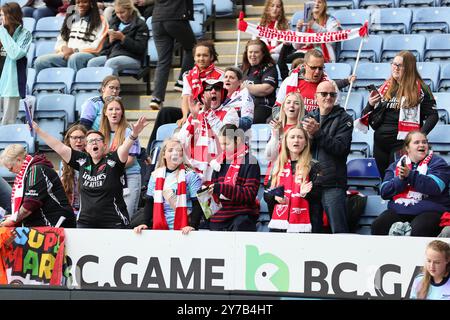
x=265, y=271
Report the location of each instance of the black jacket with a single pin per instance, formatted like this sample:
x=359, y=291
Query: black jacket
x=135, y=43
x=165, y=10
x=331, y=146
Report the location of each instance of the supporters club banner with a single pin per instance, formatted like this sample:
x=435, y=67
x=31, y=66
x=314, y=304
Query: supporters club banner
x=32, y=256
x=302, y=37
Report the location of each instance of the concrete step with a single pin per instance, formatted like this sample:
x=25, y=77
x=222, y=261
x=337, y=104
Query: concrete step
x=289, y=9
x=231, y=35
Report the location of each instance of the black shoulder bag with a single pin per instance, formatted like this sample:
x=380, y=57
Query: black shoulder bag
x=376, y=117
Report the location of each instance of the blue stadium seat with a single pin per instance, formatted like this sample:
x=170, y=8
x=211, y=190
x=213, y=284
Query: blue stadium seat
x=429, y=71
x=390, y=20
x=362, y=145
x=374, y=207
x=342, y=4
x=417, y=3
x=57, y=102
x=260, y=135
x=444, y=83
x=363, y=174
x=80, y=99
x=48, y=28
x=298, y=15
x=439, y=139
x=370, y=51
x=31, y=77
x=393, y=44
x=431, y=20
x=350, y=19
x=355, y=102
x=371, y=73
x=224, y=8
x=30, y=55
x=443, y=106
x=44, y=47
x=366, y=4
x=29, y=23
x=53, y=122
x=208, y=4
x=90, y=79
x=54, y=80
x=338, y=70
x=165, y=131
x=197, y=23
x=437, y=48
x=17, y=133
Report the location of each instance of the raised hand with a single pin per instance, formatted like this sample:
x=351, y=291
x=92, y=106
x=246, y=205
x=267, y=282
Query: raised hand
x=139, y=125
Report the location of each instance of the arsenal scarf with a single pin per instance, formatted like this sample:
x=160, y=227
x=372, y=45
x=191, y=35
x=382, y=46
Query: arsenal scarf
x=18, y=187
x=196, y=76
x=181, y=215
x=409, y=118
x=409, y=196
x=294, y=215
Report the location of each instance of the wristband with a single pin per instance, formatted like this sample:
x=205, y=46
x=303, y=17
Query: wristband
x=132, y=138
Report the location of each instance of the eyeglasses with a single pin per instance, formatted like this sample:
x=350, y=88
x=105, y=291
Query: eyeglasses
x=81, y=138
x=397, y=65
x=320, y=68
x=331, y=94
x=112, y=98
x=96, y=140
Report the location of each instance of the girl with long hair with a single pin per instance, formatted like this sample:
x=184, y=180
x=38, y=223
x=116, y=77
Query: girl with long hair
x=115, y=128
x=293, y=185
x=82, y=35
x=433, y=283
x=76, y=139
x=15, y=42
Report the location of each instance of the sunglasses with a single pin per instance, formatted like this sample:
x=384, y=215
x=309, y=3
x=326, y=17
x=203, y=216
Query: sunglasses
x=216, y=87
x=320, y=68
x=331, y=94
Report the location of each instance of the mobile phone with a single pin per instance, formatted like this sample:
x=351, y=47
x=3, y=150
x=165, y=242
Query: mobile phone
x=371, y=87
x=403, y=162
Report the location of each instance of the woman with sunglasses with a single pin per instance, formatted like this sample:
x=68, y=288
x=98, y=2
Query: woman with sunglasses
x=76, y=139
x=91, y=110
x=115, y=128
x=15, y=42
x=101, y=176
x=260, y=78
x=404, y=90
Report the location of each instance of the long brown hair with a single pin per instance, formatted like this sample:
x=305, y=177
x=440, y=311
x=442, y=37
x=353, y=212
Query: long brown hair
x=303, y=164
x=322, y=16
x=105, y=127
x=282, y=22
x=68, y=173
x=267, y=58
x=441, y=247
x=14, y=15
x=407, y=87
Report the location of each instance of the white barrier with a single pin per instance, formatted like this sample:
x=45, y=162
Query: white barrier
x=310, y=264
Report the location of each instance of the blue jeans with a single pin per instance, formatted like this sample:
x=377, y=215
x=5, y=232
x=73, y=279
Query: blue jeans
x=76, y=61
x=118, y=63
x=134, y=192
x=335, y=206
x=5, y=195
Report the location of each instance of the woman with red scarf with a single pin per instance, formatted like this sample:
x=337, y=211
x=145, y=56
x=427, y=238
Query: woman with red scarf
x=293, y=183
x=417, y=187
x=235, y=182
x=172, y=190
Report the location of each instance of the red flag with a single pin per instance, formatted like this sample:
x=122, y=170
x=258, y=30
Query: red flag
x=242, y=26
x=364, y=30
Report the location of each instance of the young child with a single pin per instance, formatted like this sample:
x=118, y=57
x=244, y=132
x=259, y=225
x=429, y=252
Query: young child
x=235, y=181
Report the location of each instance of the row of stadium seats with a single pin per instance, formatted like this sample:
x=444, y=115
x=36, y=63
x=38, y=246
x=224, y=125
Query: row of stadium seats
x=355, y=4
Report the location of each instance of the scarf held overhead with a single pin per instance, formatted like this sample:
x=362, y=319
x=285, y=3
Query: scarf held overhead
x=196, y=76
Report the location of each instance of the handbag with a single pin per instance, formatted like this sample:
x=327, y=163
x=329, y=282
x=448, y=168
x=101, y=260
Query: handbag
x=376, y=117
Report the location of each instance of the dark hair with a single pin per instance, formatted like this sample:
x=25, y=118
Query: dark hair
x=14, y=13
x=210, y=45
x=96, y=132
x=230, y=131
x=94, y=20
x=267, y=58
x=237, y=72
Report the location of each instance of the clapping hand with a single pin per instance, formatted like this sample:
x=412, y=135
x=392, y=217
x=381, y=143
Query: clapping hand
x=403, y=172
x=305, y=188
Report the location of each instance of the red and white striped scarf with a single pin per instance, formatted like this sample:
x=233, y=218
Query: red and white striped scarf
x=195, y=78
x=294, y=215
x=18, y=187
x=181, y=214
x=409, y=196
x=362, y=124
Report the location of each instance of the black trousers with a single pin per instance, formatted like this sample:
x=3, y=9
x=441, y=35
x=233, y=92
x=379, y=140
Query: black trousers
x=385, y=153
x=425, y=224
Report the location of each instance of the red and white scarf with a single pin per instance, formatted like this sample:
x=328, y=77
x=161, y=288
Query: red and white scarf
x=362, y=124
x=409, y=196
x=18, y=187
x=294, y=215
x=195, y=78
x=235, y=163
x=181, y=214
